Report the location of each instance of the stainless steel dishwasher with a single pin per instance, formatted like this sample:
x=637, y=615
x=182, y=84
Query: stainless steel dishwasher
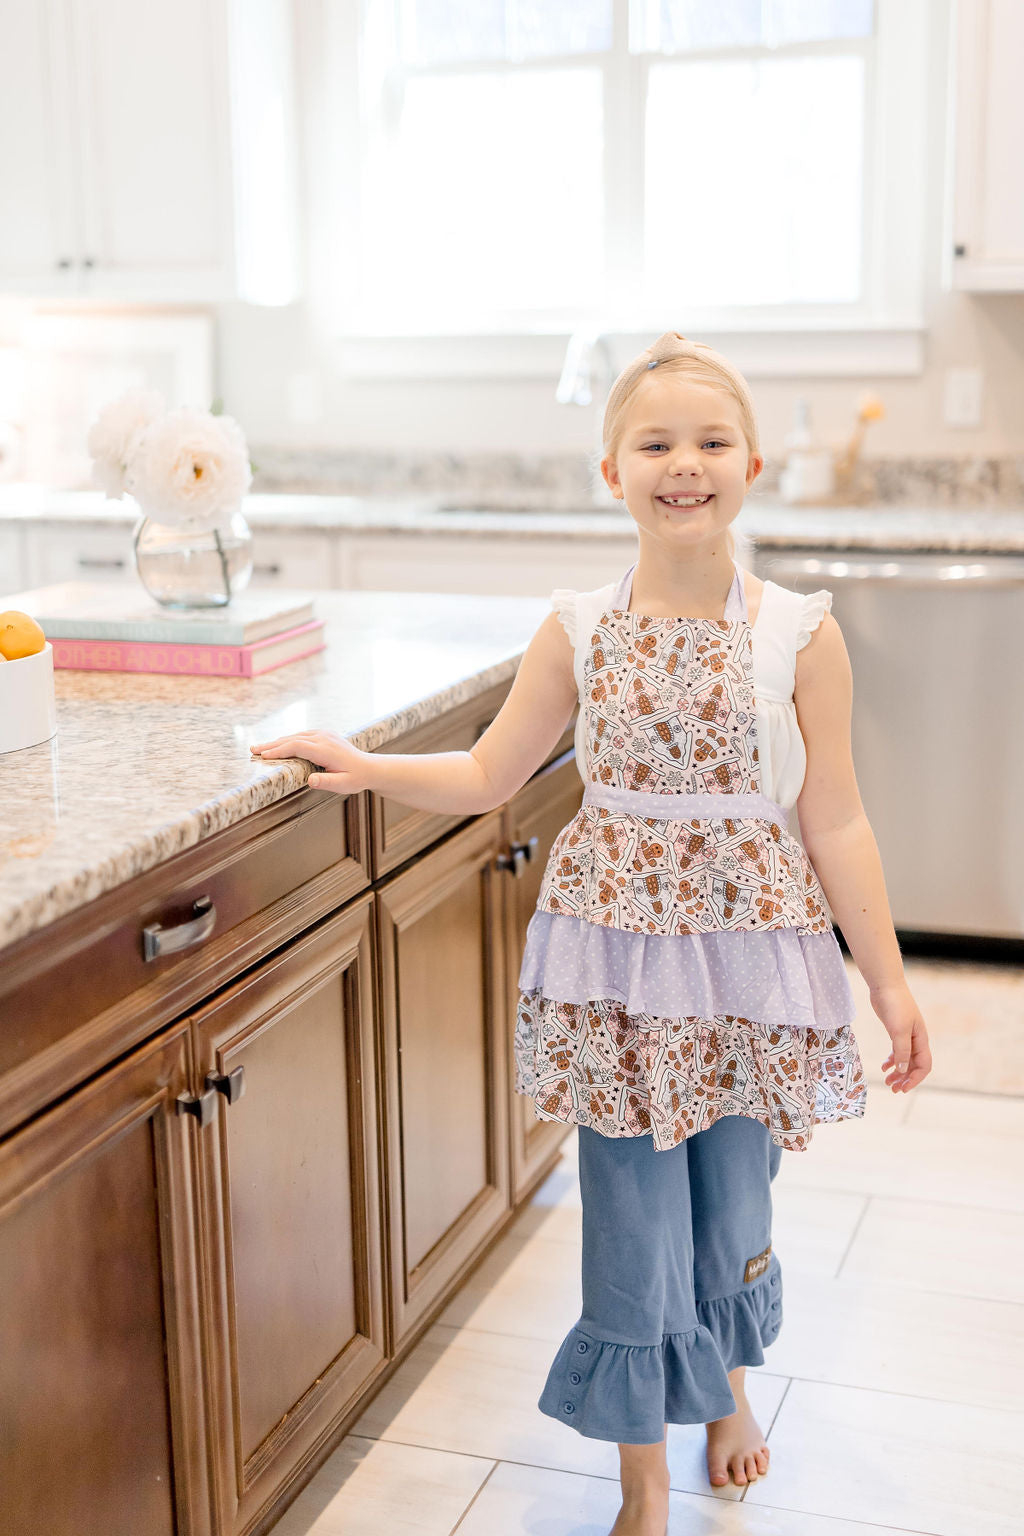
x=936, y=643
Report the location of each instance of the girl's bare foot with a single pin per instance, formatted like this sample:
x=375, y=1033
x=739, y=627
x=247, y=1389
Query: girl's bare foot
x=644, y=1476
x=643, y=1514
x=736, y=1445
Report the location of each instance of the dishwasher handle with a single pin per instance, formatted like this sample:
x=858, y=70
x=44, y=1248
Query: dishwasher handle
x=1006, y=571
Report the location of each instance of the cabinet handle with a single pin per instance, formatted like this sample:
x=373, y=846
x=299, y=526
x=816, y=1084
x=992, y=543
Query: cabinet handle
x=202, y=1106
x=230, y=1084
x=89, y=261
x=158, y=940
x=521, y=854
x=64, y=263
x=267, y=570
x=100, y=563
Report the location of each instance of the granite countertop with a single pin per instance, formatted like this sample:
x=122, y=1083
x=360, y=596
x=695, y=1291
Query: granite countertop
x=768, y=523
x=143, y=766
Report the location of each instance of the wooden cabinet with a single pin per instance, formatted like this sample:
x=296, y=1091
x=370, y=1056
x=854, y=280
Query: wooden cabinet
x=533, y=819
x=290, y=1206
x=445, y=1072
x=988, y=127
x=239, y=1179
x=101, y=1371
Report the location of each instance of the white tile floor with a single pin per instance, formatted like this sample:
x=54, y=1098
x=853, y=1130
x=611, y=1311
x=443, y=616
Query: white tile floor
x=892, y=1398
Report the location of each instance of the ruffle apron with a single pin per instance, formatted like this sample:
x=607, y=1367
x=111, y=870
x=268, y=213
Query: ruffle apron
x=681, y=964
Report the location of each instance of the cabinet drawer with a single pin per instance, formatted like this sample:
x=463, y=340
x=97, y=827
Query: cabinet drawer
x=266, y=878
x=67, y=552
x=12, y=578
x=398, y=831
x=292, y=559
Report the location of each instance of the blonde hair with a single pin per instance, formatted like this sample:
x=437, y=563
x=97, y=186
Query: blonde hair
x=695, y=360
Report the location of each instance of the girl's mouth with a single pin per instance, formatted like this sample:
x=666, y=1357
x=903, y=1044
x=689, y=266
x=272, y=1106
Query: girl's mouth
x=685, y=501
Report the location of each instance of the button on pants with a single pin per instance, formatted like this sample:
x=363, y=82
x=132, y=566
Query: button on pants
x=680, y=1284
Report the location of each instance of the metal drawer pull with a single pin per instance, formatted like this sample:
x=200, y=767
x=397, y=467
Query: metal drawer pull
x=271, y=569
x=158, y=940
x=100, y=563
x=230, y=1084
x=521, y=854
x=203, y=1106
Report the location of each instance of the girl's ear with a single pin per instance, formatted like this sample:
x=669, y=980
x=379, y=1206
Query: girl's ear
x=610, y=472
x=755, y=464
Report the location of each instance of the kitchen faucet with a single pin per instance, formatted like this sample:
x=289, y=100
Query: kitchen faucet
x=574, y=386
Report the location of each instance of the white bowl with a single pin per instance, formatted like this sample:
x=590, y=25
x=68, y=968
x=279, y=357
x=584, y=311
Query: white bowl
x=28, y=704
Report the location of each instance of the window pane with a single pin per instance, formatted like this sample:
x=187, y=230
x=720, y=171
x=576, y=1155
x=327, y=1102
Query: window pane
x=806, y=21
x=572, y=26
x=678, y=26
x=754, y=181
x=488, y=195
x=446, y=31
x=695, y=24
x=450, y=31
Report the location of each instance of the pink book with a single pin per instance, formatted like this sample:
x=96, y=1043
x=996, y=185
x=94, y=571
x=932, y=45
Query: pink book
x=191, y=660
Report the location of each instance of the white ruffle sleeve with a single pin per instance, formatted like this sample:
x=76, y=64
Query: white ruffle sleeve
x=815, y=607
x=563, y=601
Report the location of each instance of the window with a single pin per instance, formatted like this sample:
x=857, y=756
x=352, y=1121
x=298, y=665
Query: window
x=736, y=165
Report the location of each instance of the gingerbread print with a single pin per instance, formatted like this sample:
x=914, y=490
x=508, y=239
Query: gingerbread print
x=670, y=714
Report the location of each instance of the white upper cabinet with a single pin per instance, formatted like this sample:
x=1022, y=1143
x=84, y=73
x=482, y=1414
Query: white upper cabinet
x=988, y=132
x=124, y=144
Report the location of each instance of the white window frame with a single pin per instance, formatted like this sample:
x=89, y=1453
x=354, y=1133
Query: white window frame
x=882, y=335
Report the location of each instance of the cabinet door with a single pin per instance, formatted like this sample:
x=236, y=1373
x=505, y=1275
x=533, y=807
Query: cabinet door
x=988, y=192
x=100, y=1380
x=38, y=194
x=291, y=1209
x=152, y=122
x=445, y=1067
x=538, y=812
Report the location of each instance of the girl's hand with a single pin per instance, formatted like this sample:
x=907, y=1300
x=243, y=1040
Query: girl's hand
x=346, y=764
x=902, y=1018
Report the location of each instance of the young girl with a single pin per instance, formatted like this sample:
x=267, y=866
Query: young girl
x=683, y=999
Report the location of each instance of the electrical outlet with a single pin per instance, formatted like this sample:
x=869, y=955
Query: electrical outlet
x=962, y=407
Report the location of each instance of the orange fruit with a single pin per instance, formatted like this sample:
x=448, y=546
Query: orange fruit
x=20, y=635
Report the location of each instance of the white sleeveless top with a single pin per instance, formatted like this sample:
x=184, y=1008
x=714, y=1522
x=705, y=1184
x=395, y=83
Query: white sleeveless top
x=785, y=622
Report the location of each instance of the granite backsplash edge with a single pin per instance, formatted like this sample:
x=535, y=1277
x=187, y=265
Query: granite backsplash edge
x=507, y=479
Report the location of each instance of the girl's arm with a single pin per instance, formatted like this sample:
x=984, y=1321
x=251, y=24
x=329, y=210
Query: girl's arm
x=515, y=744
x=842, y=849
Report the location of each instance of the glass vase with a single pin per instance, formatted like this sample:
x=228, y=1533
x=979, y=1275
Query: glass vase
x=193, y=568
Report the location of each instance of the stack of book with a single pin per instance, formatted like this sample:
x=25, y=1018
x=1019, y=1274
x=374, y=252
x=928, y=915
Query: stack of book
x=109, y=627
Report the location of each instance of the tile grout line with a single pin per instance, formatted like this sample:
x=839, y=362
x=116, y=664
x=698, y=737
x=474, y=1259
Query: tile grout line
x=493, y=1468
x=601, y=1477
x=853, y=1235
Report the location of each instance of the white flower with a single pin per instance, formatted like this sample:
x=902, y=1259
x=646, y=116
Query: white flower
x=190, y=469
x=114, y=436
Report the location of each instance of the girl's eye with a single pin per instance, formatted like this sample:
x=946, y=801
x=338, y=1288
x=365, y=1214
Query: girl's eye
x=716, y=442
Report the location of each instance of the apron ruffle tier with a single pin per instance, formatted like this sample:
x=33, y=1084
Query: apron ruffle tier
x=628, y=1028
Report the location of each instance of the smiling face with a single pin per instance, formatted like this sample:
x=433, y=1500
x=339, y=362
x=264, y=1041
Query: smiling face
x=682, y=439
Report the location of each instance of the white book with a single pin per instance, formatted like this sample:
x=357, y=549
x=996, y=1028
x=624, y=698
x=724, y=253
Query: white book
x=109, y=610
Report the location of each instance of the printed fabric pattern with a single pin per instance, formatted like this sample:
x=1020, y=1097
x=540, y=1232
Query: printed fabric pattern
x=669, y=709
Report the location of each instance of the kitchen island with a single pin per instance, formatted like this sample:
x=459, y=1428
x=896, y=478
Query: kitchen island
x=256, y=1114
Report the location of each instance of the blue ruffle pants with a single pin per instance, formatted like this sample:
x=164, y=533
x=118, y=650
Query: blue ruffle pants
x=671, y=1299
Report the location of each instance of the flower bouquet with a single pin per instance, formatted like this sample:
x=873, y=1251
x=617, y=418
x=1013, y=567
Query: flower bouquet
x=189, y=471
